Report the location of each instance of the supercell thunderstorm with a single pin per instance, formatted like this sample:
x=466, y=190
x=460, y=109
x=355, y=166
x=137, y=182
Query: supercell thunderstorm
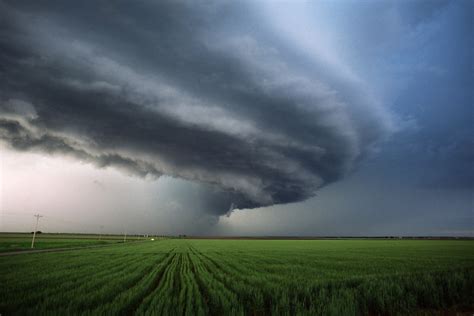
x=211, y=94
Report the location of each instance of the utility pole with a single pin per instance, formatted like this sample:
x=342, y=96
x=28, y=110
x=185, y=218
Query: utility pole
x=36, y=228
x=125, y=237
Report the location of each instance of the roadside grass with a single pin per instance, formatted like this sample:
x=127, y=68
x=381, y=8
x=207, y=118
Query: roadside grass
x=22, y=241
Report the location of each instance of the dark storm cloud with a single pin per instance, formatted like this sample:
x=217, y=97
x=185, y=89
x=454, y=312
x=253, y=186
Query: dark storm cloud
x=201, y=92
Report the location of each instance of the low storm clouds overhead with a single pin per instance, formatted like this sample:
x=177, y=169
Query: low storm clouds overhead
x=215, y=93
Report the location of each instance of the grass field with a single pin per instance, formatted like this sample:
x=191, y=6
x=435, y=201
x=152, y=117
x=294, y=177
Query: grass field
x=234, y=277
x=21, y=241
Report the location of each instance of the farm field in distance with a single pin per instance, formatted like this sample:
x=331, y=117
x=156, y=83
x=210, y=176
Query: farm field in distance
x=10, y=242
x=243, y=277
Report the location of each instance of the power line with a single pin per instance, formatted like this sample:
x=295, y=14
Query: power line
x=36, y=228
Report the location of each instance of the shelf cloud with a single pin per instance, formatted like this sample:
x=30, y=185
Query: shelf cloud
x=209, y=93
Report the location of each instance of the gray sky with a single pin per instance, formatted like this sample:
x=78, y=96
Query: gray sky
x=237, y=118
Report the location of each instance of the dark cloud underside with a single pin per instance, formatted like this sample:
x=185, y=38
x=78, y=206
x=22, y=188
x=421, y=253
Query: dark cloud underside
x=201, y=92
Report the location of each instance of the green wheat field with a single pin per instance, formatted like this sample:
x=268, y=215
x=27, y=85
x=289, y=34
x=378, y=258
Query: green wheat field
x=243, y=277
